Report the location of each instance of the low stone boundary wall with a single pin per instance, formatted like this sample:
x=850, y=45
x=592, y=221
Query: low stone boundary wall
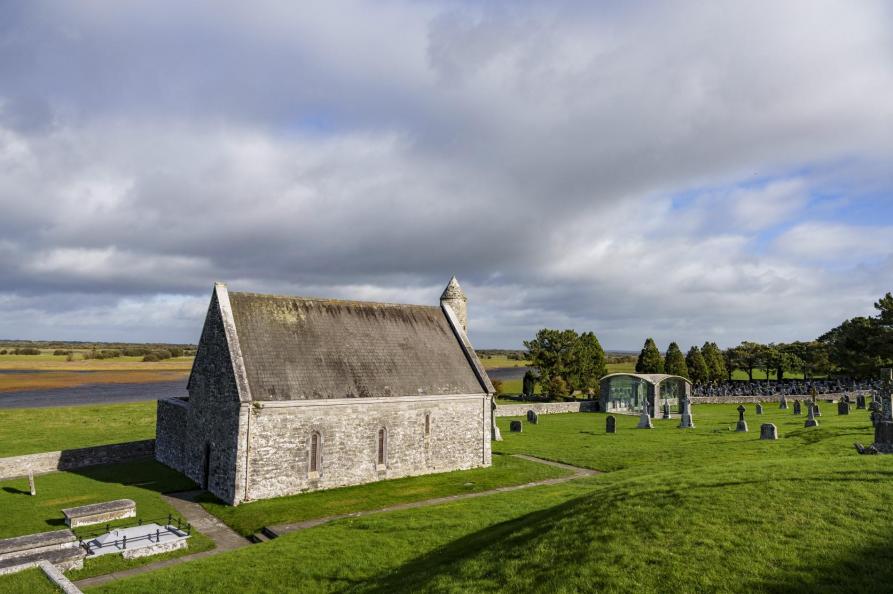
x=771, y=398
x=16, y=466
x=544, y=408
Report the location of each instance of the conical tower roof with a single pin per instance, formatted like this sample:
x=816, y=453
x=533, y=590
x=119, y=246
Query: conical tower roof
x=453, y=290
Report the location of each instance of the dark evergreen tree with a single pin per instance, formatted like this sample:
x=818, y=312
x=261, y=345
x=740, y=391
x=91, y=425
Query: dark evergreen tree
x=674, y=363
x=715, y=362
x=588, y=364
x=650, y=360
x=698, y=370
x=528, y=384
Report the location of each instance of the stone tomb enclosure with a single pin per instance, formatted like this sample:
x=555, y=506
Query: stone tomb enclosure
x=59, y=547
x=139, y=541
x=99, y=513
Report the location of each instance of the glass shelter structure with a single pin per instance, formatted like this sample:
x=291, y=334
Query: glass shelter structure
x=625, y=392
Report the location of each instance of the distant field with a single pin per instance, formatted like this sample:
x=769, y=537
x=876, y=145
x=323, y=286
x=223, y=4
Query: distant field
x=32, y=430
x=58, y=363
x=494, y=361
x=12, y=382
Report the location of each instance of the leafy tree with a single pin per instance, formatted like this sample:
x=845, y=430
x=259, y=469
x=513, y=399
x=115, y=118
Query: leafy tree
x=749, y=356
x=528, y=384
x=715, y=362
x=588, y=363
x=851, y=346
x=674, y=363
x=649, y=360
x=698, y=370
x=552, y=353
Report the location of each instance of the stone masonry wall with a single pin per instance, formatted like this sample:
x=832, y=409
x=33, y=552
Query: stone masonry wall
x=170, y=431
x=279, y=439
x=210, y=438
x=77, y=458
x=544, y=408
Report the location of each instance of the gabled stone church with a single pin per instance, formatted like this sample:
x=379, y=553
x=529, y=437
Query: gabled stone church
x=289, y=394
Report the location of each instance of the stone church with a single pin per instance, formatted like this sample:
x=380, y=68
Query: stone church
x=290, y=394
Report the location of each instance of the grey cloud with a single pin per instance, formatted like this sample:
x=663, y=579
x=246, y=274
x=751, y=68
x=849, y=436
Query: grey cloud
x=532, y=150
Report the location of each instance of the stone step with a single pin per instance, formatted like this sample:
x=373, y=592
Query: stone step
x=269, y=532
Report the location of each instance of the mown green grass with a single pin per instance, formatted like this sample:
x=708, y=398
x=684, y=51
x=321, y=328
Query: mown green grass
x=30, y=581
x=32, y=430
x=249, y=518
x=698, y=510
x=140, y=481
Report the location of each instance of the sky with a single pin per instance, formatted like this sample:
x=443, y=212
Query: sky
x=688, y=171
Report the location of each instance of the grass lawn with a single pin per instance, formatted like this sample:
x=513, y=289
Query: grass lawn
x=31, y=430
x=698, y=510
x=32, y=581
x=140, y=481
x=249, y=518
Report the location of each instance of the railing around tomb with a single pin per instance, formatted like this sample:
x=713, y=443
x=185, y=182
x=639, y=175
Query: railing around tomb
x=86, y=540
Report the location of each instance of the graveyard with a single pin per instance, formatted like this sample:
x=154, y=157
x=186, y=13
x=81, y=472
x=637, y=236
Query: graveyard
x=708, y=508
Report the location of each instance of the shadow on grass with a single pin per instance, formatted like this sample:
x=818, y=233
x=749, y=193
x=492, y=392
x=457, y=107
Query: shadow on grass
x=550, y=549
x=15, y=491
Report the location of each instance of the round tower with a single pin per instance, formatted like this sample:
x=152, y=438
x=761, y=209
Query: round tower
x=454, y=297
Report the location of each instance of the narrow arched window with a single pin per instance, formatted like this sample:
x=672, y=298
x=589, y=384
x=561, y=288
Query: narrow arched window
x=427, y=424
x=315, y=452
x=382, y=447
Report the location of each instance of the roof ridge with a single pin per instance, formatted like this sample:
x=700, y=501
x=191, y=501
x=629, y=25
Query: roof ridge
x=332, y=300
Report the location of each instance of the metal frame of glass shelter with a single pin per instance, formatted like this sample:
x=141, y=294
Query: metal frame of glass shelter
x=625, y=392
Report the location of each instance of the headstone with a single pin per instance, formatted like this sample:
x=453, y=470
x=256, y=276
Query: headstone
x=515, y=426
x=686, y=421
x=797, y=407
x=31, y=483
x=783, y=403
x=759, y=408
x=810, y=420
x=843, y=407
x=610, y=424
x=876, y=415
x=532, y=417
x=768, y=431
x=666, y=413
x=860, y=401
x=645, y=418
x=742, y=424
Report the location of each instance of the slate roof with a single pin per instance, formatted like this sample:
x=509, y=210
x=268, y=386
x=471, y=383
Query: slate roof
x=297, y=348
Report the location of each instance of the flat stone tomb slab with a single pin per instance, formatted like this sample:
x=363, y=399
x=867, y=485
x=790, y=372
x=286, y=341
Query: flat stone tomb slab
x=99, y=513
x=148, y=539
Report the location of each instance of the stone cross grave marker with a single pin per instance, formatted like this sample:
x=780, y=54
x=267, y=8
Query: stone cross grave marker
x=742, y=424
x=768, y=431
x=860, y=401
x=610, y=424
x=810, y=420
x=645, y=418
x=686, y=421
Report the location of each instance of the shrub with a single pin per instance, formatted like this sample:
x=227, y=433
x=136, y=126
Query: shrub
x=497, y=386
x=176, y=352
x=3, y=352
x=61, y=352
x=557, y=387
x=151, y=358
x=26, y=351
